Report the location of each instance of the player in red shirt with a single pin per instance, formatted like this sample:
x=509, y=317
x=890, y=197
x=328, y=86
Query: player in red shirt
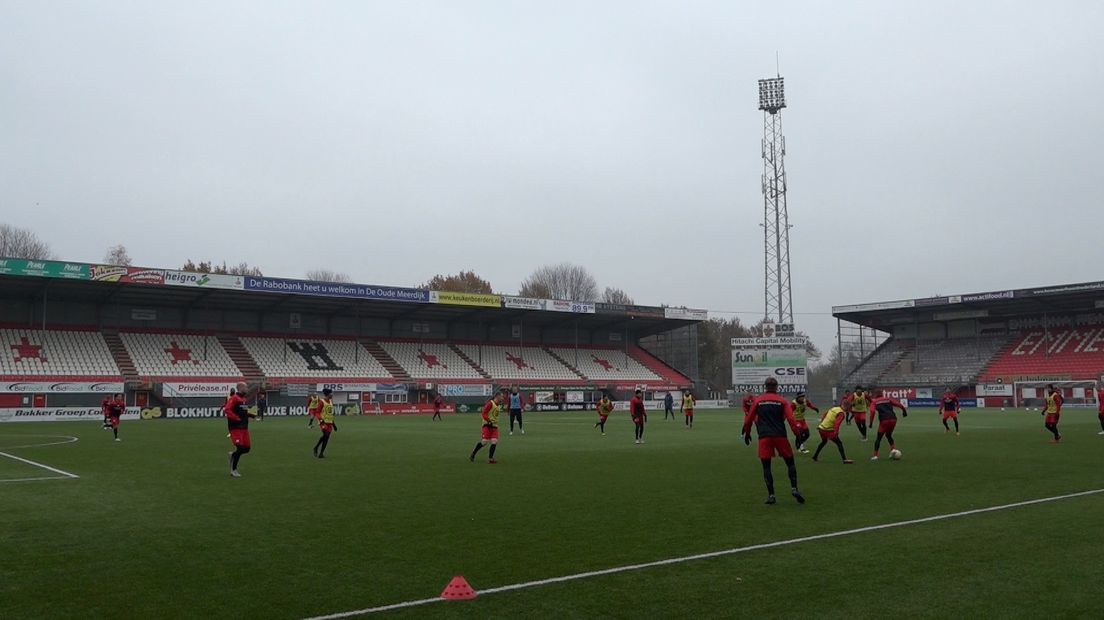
x=438, y=402
x=638, y=414
x=104, y=410
x=951, y=408
x=771, y=413
x=845, y=404
x=314, y=409
x=884, y=406
x=115, y=409
x=1100, y=409
x=237, y=420
x=749, y=400
x=491, y=410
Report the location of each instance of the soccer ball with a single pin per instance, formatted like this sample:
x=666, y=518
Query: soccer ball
x=895, y=455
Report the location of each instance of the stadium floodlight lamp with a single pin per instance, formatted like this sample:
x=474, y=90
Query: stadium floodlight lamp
x=772, y=94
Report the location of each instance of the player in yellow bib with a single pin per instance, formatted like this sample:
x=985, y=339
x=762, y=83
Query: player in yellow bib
x=1053, y=412
x=860, y=405
x=605, y=408
x=829, y=431
x=687, y=408
x=801, y=404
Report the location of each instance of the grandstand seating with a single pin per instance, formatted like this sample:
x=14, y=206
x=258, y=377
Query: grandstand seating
x=513, y=362
x=887, y=355
x=951, y=362
x=429, y=360
x=57, y=354
x=1073, y=353
x=178, y=355
x=314, y=358
x=605, y=364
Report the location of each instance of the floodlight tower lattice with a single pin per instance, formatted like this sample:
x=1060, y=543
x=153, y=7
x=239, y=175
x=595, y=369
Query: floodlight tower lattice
x=778, y=300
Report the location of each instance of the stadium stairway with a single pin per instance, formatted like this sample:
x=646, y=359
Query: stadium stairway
x=387, y=361
x=658, y=366
x=122, y=358
x=470, y=361
x=564, y=362
x=241, y=358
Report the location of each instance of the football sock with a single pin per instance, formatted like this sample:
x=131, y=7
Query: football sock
x=491, y=453
x=791, y=470
x=956, y=424
x=478, y=446
x=862, y=428
x=116, y=432
x=823, y=442
x=878, y=442
x=1101, y=416
x=945, y=424
x=892, y=444
x=768, y=476
x=839, y=444
x=237, y=455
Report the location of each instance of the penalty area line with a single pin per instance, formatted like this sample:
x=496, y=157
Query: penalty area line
x=711, y=554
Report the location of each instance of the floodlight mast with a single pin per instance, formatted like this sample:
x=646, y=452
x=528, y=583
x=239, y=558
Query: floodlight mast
x=777, y=298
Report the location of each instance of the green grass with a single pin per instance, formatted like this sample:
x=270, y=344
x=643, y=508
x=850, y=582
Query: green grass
x=155, y=528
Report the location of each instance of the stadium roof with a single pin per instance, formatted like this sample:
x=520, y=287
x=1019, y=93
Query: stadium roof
x=1062, y=298
x=138, y=286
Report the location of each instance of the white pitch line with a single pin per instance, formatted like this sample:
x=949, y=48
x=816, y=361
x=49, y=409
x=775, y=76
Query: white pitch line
x=46, y=467
x=33, y=479
x=711, y=554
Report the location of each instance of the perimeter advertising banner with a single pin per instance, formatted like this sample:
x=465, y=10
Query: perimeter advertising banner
x=196, y=389
x=61, y=387
x=754, y=360
x=204, y=280
x=43, y=268
x=60, y=414
x=129, y=275
x=469, y=299
x=339, y=289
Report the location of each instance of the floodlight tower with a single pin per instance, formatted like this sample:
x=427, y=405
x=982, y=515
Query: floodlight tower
x=778, y=301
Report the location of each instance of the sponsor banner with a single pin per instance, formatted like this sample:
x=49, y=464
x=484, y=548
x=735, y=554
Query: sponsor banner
x=960, y=315
x=934, y=402
x=646, y=311
x=544, y=397
x=931, y=301
x=994, y=296
x=604, y=308
x=783, y=342
x=338, y=289
x=1068, y=288
x=61, y=387
x=563, y=407
x=578, y=307
x=204, y=280
x=523, y=303
x=191, y=413
x=469, y=299
x=884, y=305
x=994, y=389
x=908, y=393
x=686, y=314
x=379, y=388
x=465, y=389
x=196, y=389
x=753, y=366
x=573, y=397
x=131, y=275
x=43, y=268
x=410, y=408
x=60, y=414
x=757, y=388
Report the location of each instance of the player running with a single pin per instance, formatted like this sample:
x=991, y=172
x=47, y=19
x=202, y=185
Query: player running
x=829, y=428
x=1100, y=409
x=860, y=405
x=951, y=408
x=668, y=406
x=845, y=405
x=314, y=408
x=1053, y=412
x=491, y=410
x=887, y=420
x=749, y=400
x=105, y=405
x=770, y=413
x=237, y=420
x=800, y=405
x=687, y=408
x=326, y=423
x=605, y=408
x=638, y=414
x=515, y=411
x=115, y=409
x=438, y=402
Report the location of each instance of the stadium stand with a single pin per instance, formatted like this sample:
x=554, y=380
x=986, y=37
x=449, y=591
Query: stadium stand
x=430, y=360
x=530, y=363
x=1073, y=353
x=949, y=361
x=887, y=355
x=657, y=366
x=309, y=358
x=58, y=354
x=161, y=356
x=605, y=364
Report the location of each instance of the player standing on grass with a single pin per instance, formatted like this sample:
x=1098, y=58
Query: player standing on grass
x=605, y=408
x=829, y=428
x=951, y=408
x=437, y=403
x=845, y=405
x=668, y=406
x=887, y=419
x=800, y=405
x=687, y=408
x=262, y=405
x=491, y=410
x=515, y=410
x=237, y=420
x=115, y=409
x=326, y=423
x=638, y=414
x=749, y=400
x=770, y=413
x=1100, y=409
x=1053, y=412
x=314, y=408
x=104, y=409
x=860, y=405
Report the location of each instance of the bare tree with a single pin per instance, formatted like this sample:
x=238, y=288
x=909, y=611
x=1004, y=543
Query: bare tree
x=117, y=255
x=326, y=275
x=562, y=281
x=22, y=243
x=613, y=295
x=463, y=282
x=241, y=269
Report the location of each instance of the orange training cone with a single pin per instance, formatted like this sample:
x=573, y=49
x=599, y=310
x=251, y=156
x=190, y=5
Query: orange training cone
x=458, y=590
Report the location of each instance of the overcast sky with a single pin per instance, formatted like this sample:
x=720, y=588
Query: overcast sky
x=933, y=147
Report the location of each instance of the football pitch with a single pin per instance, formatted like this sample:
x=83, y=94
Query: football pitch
x=154, y=527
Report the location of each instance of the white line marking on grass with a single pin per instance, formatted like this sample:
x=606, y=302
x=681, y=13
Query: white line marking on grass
x=711, y=554
x=33, y=479
x=64, y=474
